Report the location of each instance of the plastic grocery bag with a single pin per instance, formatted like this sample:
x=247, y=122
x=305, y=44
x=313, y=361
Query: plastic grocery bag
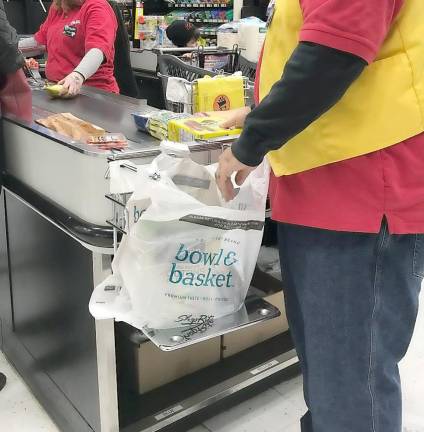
x=122, y=180
x=189, y=253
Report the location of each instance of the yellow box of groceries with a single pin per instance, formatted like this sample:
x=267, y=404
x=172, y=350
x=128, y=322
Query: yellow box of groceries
x=198, y=128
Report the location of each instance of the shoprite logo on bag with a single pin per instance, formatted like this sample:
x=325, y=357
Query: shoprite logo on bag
x=206, y=261
x=221, y=103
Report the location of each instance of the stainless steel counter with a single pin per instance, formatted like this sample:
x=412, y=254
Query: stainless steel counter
x=73, y=172
x=109, y=111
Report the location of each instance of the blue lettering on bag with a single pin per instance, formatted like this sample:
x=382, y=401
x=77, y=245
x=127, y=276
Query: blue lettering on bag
x=206, y=278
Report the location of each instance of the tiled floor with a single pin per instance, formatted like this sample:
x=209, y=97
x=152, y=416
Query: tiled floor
x=277, y=409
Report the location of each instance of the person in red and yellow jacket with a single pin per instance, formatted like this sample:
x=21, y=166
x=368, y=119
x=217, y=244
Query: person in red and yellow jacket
x=340, y=117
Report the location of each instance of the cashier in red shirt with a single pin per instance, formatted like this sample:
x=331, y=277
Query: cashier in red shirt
x=340, y=117
x=79, y=36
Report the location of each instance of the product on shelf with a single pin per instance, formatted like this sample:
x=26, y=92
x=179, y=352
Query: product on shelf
x=177, y=15
x=204, y=13
x=152, y=32
x=212, y=16
x=252, y=33
x=207, y=30
x=201, y=4
x=228, y=35
x=138, y=22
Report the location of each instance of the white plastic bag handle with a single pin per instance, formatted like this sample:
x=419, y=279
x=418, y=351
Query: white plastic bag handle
x=169, y=148
x=175, y=149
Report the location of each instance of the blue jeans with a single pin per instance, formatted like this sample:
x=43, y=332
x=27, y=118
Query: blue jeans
x=352, y=302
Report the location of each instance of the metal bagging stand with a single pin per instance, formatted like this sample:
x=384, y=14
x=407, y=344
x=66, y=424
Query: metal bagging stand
x=230, y=377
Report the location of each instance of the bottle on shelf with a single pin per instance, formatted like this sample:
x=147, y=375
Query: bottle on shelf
x=138, y=23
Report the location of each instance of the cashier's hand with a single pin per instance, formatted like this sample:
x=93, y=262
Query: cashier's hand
x=228, y=165
x=234, y=118
x=72, y=84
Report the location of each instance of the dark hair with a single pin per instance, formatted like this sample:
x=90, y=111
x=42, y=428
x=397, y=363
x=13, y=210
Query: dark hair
x=181, y=32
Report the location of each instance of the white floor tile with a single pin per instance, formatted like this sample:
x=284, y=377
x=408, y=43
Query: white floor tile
x=291, y=391
x=413, y=378
x=199, y=428
x=295, y=427
x=276, y=410
x=19, y=410
x=267, y=412
x=413, y=424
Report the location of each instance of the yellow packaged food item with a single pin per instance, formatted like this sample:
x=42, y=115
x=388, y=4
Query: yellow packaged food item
x=221, y=93
x=189, y=129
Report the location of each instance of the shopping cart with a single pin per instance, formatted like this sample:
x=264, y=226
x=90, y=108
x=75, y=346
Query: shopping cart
x=247, y=68
x=172, y=66
x=221, y=60
x=213, y=59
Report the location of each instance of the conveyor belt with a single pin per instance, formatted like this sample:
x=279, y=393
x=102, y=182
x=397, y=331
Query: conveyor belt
x=111, y=112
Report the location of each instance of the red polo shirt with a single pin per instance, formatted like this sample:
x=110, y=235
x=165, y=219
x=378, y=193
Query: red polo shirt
x=354, y=195
x=69, y=36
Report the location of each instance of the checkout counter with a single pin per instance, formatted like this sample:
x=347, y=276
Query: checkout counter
x=55, y=247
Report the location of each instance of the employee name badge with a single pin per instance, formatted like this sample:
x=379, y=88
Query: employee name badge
x=71, y=29
x=270, y=12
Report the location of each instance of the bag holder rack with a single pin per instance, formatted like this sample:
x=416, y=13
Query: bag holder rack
x=191, y=330
x=120, y=216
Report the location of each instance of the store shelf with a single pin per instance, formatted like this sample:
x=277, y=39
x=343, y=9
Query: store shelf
x=198, y=5
x=207, y=21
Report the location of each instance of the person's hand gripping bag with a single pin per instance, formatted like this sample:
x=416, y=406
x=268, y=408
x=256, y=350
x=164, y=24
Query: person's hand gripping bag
x=190, y=253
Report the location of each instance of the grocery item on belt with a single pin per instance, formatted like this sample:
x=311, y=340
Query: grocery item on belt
x=54, y=90
x=195, y=128
x=156, y=122
x=108, y=141
x=158, y=129
x=141, y=119
x=71, y=126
